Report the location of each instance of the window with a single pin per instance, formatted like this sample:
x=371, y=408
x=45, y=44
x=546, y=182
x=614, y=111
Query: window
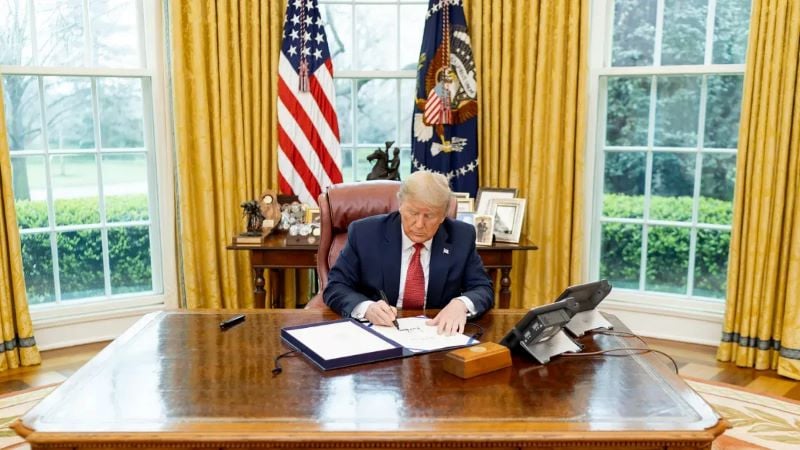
x=669, y=84
x=78, y=83
x=375, y=46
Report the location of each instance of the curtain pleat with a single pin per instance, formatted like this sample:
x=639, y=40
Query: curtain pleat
x=224, y=65
x=762, y=318
x=532, y=63
x=19, y=346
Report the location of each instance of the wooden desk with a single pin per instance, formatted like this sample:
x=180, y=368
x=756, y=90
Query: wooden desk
x=276, y=256
x=174, y=380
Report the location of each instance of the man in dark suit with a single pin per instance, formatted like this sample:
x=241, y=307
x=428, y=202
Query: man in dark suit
x=418, y=257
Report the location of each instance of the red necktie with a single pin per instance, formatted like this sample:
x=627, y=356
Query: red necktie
x=414, y=292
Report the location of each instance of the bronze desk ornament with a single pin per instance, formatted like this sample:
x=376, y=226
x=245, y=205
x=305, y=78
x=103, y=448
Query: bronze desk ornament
x=385, y=168
x=252, y=211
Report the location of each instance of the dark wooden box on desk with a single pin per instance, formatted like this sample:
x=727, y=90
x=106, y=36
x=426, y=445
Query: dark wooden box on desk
x=175, y=380
x=274, y=254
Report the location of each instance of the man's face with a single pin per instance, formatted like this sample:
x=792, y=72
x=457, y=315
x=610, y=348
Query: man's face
x=420, y=221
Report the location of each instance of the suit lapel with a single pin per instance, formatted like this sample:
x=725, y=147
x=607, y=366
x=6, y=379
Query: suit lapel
x=437, y=274
x=392, y=259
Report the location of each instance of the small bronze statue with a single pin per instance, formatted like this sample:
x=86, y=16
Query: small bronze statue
x=252, y=211
x=385, y=168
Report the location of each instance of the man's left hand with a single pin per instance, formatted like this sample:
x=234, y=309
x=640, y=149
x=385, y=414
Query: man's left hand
x=452, y=319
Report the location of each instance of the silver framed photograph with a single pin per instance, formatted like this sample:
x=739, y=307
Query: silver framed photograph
x=508, y=215
x=466, y=216
x=464, y=205
x=486, y=195
x=484, y=224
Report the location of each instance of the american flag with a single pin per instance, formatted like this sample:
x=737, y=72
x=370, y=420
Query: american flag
x=308, y=131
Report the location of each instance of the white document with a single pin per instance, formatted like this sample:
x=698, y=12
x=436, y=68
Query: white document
x=416, y=336
x=339, y=340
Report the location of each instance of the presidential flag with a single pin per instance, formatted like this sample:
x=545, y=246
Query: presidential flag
x=309, y=157
x=445, y=126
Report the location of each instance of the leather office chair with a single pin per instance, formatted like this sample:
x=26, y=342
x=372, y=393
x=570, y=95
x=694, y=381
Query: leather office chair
x=343, y=204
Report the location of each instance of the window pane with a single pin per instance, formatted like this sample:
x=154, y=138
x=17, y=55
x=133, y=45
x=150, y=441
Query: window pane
x=677, y=109
x=23, y=112
x=15, y=36
x=363, y=167
x=672, y=186
x=623, y=184
x=716, y=188
x=60, y=32
x=684, y=32
x=723, y=107
x=731, y=27
x=711, y=263
x=339, y=31
x=30, y=191
x=376, y=37
x=628, y=109
x=344, y=110
x=74, y=179
x=408, y=92
x=620, y=259
x=347, y=165
x=412, y=22
x=634, y=33
x=37, y=259
x=121, y=121
x=115, y=33
x=405, y=162
x=80, y=263
x=129, y=259
x=68, y=106
x=667, y=259
x=377, y=111
x=125, y=187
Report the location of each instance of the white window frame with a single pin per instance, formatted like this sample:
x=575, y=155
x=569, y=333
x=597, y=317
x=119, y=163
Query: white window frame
x=101, y=319
x=354, y=75
x=669, y=316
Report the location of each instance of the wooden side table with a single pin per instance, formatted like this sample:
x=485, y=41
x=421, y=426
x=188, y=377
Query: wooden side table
x=276, y=256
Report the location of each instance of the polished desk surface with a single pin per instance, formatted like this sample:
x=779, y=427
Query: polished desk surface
x=174, y=379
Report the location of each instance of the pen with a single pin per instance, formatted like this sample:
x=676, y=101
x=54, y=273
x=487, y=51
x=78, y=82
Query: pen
x=232, y=322
x=383, y=297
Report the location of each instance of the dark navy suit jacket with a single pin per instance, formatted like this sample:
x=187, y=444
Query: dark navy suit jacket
x=371, y=258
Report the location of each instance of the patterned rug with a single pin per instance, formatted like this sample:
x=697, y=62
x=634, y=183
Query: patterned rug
x=758, y=421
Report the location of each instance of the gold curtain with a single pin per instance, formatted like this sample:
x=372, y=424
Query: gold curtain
x=762, y=318
x=224, y=65
x=532, y=62
x=19, y=346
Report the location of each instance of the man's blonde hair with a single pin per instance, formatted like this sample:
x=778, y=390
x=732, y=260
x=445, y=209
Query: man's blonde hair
x=429, y=188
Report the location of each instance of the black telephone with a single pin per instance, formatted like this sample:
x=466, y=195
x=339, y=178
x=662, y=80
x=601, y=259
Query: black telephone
x=541, y=323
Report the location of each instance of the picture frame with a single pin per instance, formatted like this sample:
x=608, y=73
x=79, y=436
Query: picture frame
x=486, y=194
x=461, y=194
x=484, y=224
x=466, y=216
x=464, y=205
x=508, y=216
x=312, y=215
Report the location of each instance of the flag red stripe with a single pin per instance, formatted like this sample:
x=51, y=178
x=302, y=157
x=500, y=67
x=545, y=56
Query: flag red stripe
x=288, y=99
x=324, y=104
x=298, y=163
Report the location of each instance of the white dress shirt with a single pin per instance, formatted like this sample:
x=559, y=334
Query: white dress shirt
x=405, y=258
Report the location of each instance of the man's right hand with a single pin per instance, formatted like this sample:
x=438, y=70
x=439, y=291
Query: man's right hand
x=381, y=313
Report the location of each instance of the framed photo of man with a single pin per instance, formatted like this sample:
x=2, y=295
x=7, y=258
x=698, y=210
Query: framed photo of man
x=508, y=215
x=486, y=195
x=484, y=224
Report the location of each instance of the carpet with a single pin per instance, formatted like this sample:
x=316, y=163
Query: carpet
x=758, y=421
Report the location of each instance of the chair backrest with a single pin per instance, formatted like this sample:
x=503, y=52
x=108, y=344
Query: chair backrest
x=345, y=203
